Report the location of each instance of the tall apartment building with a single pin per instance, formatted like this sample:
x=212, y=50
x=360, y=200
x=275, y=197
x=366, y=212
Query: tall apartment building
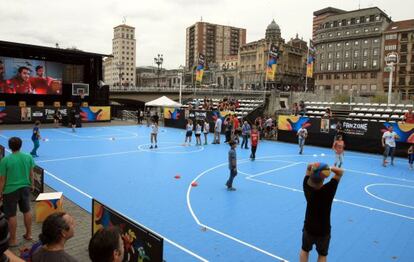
x=214, y=41
x=399, y=38
x=120, y=69
x=253, y=57
x=349, y=51
x=319, y=16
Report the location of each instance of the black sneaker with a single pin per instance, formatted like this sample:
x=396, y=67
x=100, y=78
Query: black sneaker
x=151, y=147
x=231, y=189
x=156, y=146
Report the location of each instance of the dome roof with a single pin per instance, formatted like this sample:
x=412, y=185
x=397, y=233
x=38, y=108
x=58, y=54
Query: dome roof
x=273, y=26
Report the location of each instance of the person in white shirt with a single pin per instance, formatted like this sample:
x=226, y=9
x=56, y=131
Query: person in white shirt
x=154, y=133
x=198, y=130
x=388, y=142
x=217, y=131
x=206, y=129
x=302, y=134
x=189, y=132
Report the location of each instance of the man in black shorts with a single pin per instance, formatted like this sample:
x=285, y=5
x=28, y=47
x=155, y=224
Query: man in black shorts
x=319, y=198
x=16, y=181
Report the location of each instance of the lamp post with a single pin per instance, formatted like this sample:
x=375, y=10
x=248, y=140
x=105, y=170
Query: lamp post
x=391, y=59
x=158, y=60
x=180, y=74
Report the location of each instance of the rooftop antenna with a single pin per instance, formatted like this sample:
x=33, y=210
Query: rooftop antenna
x=359, y=4
x=201, y=19
x=124, y=20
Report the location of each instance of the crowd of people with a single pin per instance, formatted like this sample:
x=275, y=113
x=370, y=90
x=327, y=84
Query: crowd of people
x=226, y=104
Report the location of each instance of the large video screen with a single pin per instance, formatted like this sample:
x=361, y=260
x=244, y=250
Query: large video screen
x=30, y=76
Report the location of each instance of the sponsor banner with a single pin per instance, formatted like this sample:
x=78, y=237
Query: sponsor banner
x=355, y=128
x=140, y=244
x=362, y=129
x=95, y=113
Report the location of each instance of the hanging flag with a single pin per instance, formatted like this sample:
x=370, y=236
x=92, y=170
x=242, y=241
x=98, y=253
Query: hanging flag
x=272, y=62
x=310, y=60
x=200, y=68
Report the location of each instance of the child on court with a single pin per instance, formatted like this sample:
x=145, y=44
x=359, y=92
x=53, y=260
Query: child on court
x=154, y=133
x=206, y=129
x=198, y=133
x=254, y=138
x=232, y=165
x=338, y=146
x=302, y=134
x=35, y=139
x=411, y=156
x=189, y=132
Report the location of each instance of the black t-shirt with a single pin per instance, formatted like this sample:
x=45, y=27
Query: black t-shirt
x=318, y=208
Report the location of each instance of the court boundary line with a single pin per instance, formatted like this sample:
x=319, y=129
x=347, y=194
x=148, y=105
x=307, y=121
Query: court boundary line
x=216, y=230
x=386, y=200
x=249, y=177
x=90, y=197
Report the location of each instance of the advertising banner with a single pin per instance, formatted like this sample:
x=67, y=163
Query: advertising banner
x=140, y=244
x=95, y=113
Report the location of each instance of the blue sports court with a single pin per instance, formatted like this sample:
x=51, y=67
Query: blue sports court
x=372, y=215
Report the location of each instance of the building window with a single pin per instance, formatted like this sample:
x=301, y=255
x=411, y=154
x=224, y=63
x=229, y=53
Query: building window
x=330, y=45
x=376, y=41
x=338, y=45
x=345, y=76
x=356, y=43
x=346, y=43
x=356, y=53
x=377, y=18
x=320, y=77
x=374, y=63
x=329, y=66
x=366, y=41
x=346, y=54
x=365, y=52
x=347, y=32
x=356, y=31
x=337, y=87
x=363, y=87
x=373, y=75
x=355, y=65
x=373, y=87
x=329, y=55
x=375, y=51
x=390, y=47
x=366, y=30
x=322, y=67
x=346, y=65
x=376, y=29
x=337, y=76
x=337, y=66
x=364, y=64
x=364, y=75
x=345, y=87
x=338, y=54
x=328, y=77
x=354, y=76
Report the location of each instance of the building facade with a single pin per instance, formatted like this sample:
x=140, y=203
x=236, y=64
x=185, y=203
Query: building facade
x=349, y=51
x=120, y=69
x=399, y=38
x=147, y=76
x=253, y=57
x=214, y=41
x=320, y=15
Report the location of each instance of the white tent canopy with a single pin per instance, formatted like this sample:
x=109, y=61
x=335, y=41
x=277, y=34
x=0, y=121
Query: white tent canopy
x=163, y=102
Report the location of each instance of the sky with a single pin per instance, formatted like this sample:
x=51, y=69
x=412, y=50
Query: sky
x=160, y=24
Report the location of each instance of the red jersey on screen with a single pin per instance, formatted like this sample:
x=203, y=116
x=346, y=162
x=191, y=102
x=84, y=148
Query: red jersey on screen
x=409, y=118
x=16, y=86
x=39, y=84
x=254, y=137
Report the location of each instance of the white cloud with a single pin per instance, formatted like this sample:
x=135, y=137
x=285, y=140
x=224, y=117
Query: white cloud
x=160, y=24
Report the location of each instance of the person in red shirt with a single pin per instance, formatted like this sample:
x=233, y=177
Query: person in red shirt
x=3, y=84
x=409, y=116
x=20, y=84
x=338, y=146
x=254, y=138
x=236, y=126
x=39, y=83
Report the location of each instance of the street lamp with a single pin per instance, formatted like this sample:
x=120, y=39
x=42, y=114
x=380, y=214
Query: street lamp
x=391, y=59
x=180, y=74
x=158, y=60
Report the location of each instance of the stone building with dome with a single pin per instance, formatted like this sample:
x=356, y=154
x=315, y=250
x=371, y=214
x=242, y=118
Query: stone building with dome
x=291, y=65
